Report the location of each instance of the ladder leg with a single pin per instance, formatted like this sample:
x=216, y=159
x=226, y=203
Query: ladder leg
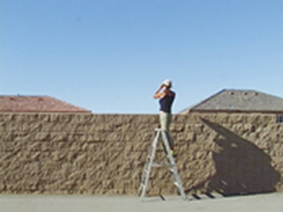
x=148, y=166
x=173, y=166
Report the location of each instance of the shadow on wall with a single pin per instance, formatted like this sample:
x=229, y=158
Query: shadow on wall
x=241, y=167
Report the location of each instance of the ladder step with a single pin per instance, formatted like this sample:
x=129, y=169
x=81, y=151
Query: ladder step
x=176, y=184
x=149, y=157
x=146, y=170
x=160, y=164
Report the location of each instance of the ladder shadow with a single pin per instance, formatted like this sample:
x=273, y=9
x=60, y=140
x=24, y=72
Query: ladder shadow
x=241, y=167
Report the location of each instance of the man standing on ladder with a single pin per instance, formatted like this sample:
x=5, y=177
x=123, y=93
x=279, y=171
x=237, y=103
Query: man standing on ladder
x=166, y=97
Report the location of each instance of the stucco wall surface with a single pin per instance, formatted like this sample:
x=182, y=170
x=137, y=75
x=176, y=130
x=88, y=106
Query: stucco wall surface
x=105, y=154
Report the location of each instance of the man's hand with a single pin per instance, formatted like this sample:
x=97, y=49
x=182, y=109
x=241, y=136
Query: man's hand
x=159, y=93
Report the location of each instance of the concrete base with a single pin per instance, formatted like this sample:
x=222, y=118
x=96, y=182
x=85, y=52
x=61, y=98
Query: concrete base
x=74, y=203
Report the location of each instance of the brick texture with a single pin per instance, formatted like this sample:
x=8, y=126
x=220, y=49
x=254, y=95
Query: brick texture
x=105, y=154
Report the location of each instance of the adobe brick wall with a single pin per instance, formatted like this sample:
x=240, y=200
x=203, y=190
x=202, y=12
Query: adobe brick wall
x=105, y=154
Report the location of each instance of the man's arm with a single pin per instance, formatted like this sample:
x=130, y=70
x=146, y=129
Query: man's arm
x=159, y=93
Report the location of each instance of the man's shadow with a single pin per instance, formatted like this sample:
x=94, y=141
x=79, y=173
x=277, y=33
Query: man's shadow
x=241, y=167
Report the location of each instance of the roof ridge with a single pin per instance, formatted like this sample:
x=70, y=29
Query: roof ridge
x=207, y=99
x=24, y=96
x=256, y=91
x=239, y=100
x=37, y=103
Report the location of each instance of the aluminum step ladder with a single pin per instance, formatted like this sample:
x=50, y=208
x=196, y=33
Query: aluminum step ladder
x=151, y=163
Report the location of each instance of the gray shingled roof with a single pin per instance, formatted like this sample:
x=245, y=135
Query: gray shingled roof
x=241, y=101
x=37, y=104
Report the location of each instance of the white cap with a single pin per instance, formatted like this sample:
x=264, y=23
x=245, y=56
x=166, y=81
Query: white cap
x=167, y=83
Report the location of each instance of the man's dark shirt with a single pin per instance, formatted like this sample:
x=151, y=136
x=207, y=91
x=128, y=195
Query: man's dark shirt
x=166, y=102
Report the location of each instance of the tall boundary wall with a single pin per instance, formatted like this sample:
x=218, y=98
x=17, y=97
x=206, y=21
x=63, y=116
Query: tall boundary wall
x=105, y=154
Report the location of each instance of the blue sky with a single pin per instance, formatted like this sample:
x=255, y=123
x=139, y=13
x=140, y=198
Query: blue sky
x=109, y=56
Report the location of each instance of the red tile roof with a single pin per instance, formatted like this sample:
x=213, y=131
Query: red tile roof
x=37, y=104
